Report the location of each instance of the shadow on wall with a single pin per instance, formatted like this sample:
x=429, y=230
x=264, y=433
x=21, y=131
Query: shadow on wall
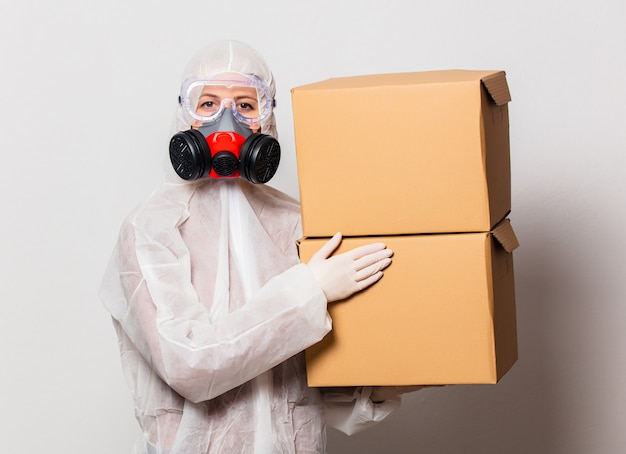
x=524, y=413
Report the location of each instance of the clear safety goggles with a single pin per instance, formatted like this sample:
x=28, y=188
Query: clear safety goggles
x=205, y=100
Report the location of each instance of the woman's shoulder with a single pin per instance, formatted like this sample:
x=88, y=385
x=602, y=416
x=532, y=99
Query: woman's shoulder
x=165, y=208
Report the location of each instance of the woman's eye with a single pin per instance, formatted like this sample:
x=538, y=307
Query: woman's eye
x=207, y=105
x=246, y=107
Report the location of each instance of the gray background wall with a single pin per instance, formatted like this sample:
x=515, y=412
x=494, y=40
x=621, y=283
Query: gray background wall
x=87, y=93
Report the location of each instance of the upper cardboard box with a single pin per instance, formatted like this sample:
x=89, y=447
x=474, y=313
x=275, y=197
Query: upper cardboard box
x=424, y=152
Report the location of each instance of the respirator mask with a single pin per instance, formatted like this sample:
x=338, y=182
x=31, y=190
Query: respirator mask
x=224, y=142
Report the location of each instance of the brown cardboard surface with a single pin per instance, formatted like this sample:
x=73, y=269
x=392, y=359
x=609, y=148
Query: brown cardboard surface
x=444, y=313
x=388, y=154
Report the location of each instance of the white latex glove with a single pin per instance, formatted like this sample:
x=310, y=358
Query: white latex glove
x=344, y=274
x=383, y=393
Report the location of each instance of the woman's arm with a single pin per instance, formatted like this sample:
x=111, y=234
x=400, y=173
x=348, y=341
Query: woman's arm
x=198, y=358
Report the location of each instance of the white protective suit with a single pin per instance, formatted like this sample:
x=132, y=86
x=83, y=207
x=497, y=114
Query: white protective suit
x=213, y=310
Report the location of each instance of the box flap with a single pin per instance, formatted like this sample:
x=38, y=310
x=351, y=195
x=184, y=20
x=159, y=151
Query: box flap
x=503, y=232
x=497, y=87
x=495, y=80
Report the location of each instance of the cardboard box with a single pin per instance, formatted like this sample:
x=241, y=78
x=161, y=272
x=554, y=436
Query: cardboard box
x=443, y=313
x=403, y=153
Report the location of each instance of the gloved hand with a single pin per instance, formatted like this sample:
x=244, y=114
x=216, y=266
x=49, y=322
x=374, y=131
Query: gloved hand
x=383, y=393
x=344, y=274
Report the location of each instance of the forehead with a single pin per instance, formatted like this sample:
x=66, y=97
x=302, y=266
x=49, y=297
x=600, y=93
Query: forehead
x=232, y=91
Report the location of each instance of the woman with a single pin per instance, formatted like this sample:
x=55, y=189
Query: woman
x=211, y=304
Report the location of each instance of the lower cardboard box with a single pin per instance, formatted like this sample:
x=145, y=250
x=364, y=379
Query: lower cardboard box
x=444, y=313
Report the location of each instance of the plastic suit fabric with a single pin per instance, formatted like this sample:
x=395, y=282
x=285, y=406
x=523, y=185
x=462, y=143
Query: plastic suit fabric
x=213, y=309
